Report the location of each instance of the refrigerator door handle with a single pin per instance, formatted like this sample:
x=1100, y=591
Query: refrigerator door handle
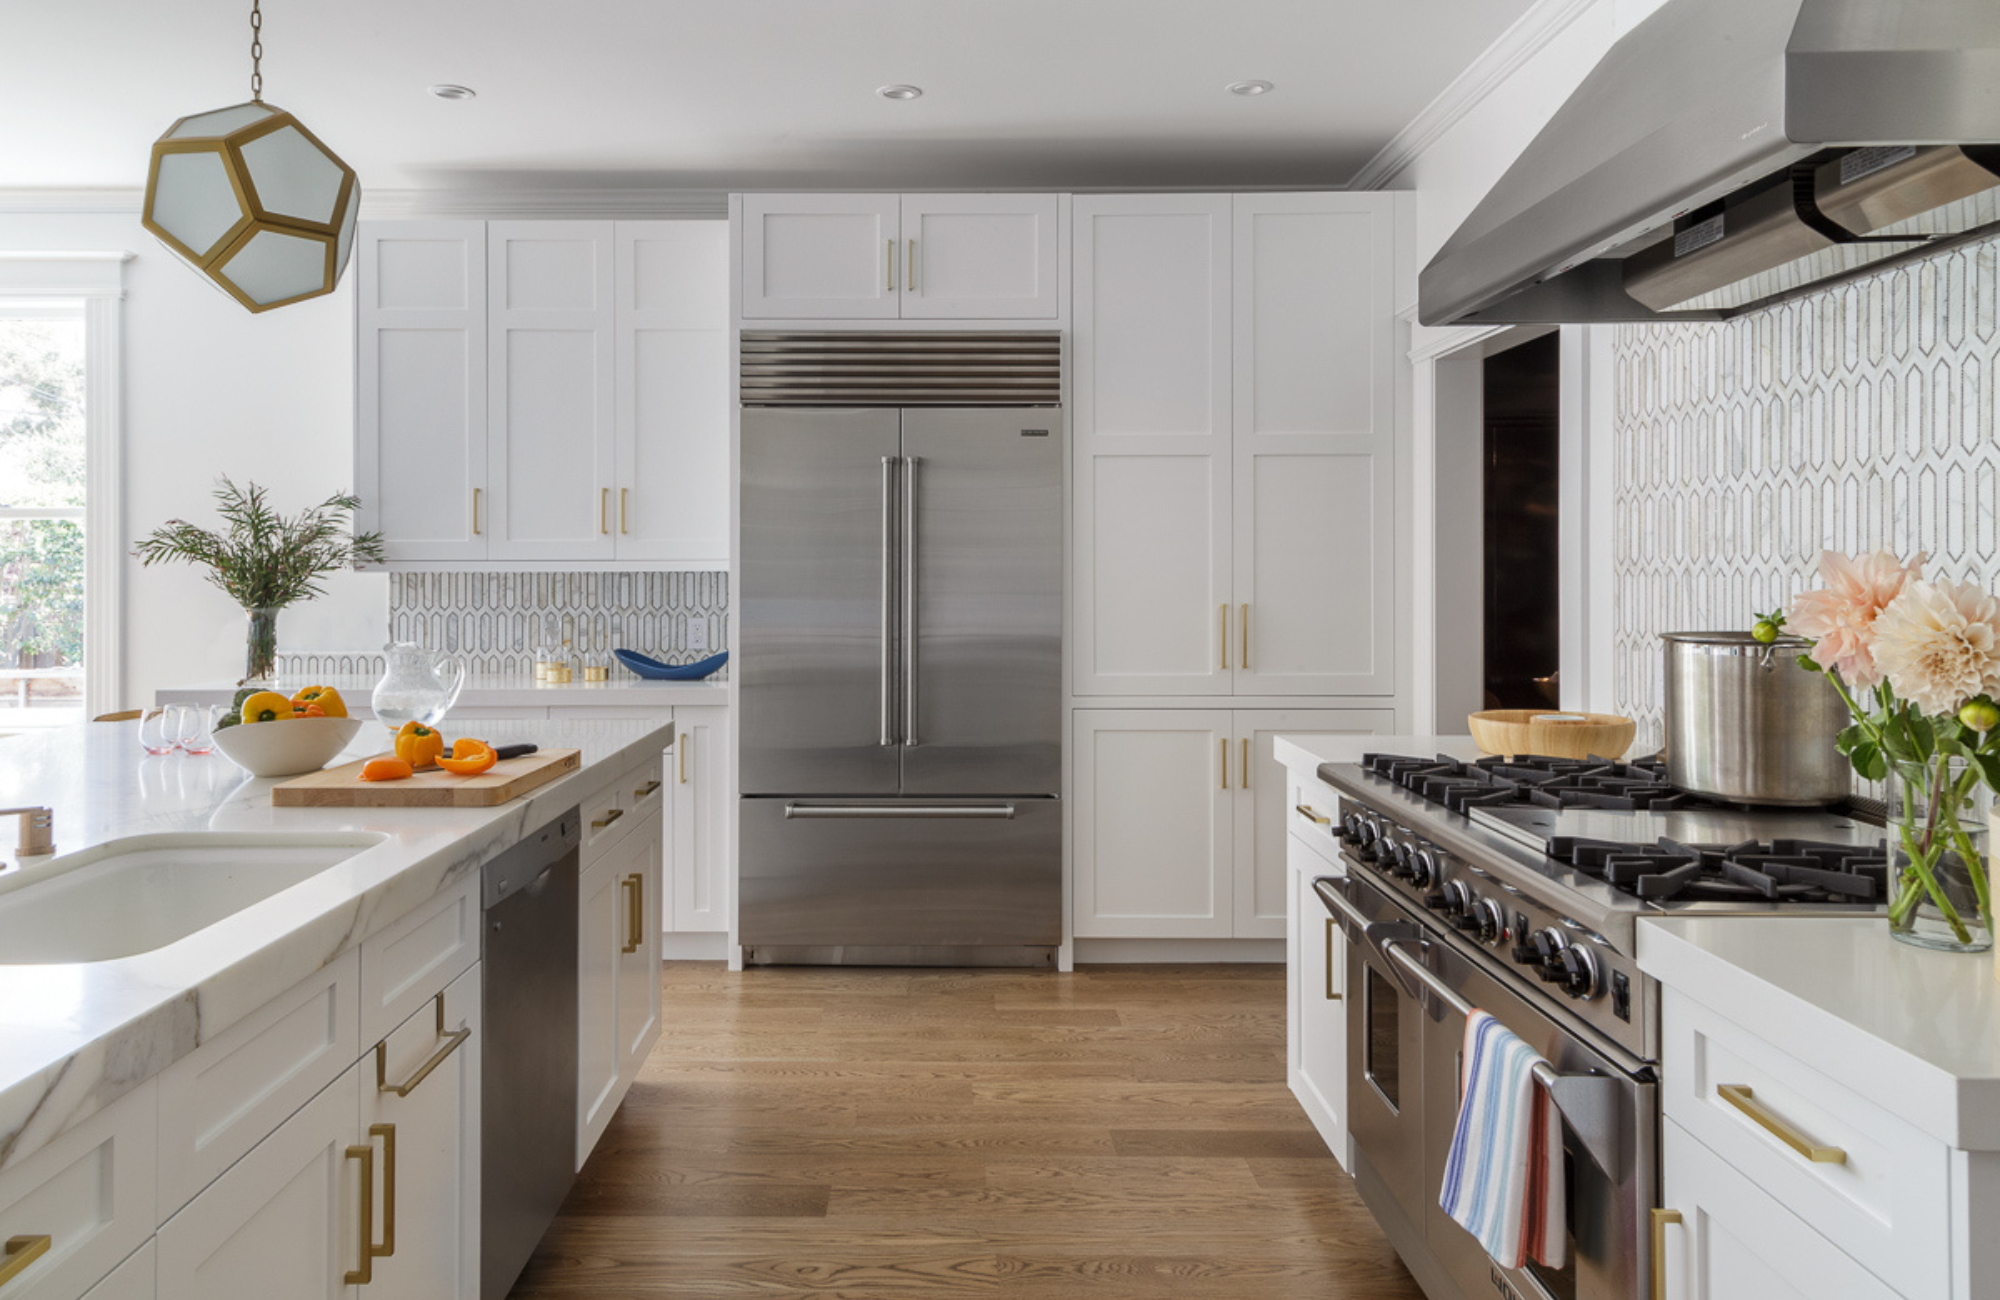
x=909, y=647
x=886, y=681
x=856, y=812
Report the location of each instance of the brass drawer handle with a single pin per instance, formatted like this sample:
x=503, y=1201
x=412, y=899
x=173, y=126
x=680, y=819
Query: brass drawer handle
x=387, y=1132
x=362, y=1276
x=1305, y=811
x=1661, y=1219
x=635, y=924
x=1331, y=923
x=645, y=789
x=1740, y=1096
x=608, y=818
x=449, y=1043
x=21, y=1252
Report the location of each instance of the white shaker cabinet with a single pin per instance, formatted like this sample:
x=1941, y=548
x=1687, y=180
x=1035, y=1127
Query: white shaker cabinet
x=697, y=894
x=618, y=950
x=821, y=255
x=1317, y=965
x=981, y=256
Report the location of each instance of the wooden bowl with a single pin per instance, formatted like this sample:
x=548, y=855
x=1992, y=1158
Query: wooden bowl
x=1512, y=732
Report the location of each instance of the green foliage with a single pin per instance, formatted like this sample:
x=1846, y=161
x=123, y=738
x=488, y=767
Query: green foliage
x=41, y=465
x=265, y=560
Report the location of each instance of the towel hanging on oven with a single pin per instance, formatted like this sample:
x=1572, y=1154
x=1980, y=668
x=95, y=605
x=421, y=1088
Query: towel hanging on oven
x=1503, y=1177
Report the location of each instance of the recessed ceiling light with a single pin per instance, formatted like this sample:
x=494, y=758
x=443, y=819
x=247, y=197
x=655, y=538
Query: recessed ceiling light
x=1250, y=87
x=899, y=92
x=445, y=90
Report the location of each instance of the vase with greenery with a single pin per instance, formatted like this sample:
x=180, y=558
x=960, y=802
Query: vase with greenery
x=265, y=560
x=1918, y=665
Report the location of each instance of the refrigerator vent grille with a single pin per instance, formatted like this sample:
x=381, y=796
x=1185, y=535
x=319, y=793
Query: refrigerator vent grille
x=932, y=368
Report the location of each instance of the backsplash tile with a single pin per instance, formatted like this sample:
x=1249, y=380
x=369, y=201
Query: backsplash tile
x=1857, y=418
x=497, y=622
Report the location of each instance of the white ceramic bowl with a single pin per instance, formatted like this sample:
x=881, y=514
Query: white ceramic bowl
x=288, y=746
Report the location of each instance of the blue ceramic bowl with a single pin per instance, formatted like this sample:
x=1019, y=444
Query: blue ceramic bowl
x=654, y=671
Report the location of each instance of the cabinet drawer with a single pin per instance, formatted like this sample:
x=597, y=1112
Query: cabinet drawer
x=644, y=789
x=1307, y=801
x=90, y=1192
x=402, y=967
x=1885, y=1202
x=606, y=818
x=225, y=1097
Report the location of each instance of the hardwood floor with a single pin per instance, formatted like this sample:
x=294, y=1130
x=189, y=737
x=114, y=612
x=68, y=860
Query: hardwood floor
x=1122, y=1132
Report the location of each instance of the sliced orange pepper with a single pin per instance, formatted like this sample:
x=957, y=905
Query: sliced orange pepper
x=307, y=711
x=386, y=769
x=418, y=745
x=468, y=758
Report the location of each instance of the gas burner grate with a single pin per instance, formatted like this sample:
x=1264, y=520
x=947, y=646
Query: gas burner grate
x=1534, y=780
x=1793, y=871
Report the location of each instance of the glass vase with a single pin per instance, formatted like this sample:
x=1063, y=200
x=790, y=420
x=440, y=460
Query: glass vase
x=260, y=651
x=1939, y=895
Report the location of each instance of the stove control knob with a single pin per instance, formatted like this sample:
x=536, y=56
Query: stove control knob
x=1457, y=898
x=1549, y=944
x=1399, y=862
x=1424, y=868
x=1492, y=922
x=1583, y=978
x=1368, y=834
x=1350, y=828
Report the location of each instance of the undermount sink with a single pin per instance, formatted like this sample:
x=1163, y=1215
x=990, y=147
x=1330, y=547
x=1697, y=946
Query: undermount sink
x=135, y=895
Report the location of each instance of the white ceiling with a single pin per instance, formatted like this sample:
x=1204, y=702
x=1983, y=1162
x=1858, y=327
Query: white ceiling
x=748, y=94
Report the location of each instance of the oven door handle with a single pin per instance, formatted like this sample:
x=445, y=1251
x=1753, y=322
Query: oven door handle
x=1357, y=926
x=1588, y=1103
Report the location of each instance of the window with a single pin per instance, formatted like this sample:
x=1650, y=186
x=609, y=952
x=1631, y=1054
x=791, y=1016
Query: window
x=42, y=497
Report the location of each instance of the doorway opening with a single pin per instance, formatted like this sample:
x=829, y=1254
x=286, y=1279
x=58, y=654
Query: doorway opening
x=1520, y=501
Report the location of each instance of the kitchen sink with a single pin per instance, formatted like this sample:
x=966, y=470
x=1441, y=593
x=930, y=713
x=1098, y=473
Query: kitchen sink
x=135, y=895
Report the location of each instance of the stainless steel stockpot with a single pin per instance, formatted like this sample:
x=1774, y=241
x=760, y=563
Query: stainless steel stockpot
x=1746, y=724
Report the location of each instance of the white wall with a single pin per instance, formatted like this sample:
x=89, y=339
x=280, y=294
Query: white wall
x=212, y=389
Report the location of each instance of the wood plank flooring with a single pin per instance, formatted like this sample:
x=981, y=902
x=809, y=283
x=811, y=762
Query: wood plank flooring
x=1122, y=1132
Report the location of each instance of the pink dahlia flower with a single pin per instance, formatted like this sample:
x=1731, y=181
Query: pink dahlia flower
x=1839, y=618
x=1939, y=645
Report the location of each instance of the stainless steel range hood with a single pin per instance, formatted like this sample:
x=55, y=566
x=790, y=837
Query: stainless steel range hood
x=1727, y=153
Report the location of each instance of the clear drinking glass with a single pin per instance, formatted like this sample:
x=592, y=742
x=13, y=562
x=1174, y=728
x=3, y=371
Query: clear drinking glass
x=197, y=727
x=159, y=729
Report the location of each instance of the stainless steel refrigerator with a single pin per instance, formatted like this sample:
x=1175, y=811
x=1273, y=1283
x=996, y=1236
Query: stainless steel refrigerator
x=900, y=651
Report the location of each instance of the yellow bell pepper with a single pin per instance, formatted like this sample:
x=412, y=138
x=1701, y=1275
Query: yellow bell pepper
x=326, y=697
x=266, y=706
x=418, y=745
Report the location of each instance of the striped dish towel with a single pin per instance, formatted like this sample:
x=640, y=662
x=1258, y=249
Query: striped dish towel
x=1503, y=1179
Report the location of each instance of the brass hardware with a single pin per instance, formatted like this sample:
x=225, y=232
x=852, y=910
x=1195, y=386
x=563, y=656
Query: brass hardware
x=366, y=1273
x=1331, y=996
x=891, y=261
x=686, y=743
x=635, y=924
x=1305, y=811
x=21, y=1252
x=623, y=493
x=1740, y=1096
x=1225, y=762
x=603, y=508
x=1661, y=1219
x=38, y=830
x=387, y=1132
x=1246, y=763
x=475, y=512
x=1246, y=634
x=911, y=278
x=1225, y=638
x=451, y=1042
x=609, y=817
x=645, y=789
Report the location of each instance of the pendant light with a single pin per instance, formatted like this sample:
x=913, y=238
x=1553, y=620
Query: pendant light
x=252, y=199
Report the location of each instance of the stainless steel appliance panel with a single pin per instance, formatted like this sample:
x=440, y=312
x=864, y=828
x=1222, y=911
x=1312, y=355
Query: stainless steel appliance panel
x=900, y=873
x=815, y=632
x=983, y=574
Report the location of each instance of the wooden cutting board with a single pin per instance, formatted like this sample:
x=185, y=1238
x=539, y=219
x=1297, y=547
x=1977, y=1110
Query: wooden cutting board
x=342, y=787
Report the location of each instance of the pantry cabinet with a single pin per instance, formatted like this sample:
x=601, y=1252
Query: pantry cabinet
x=533, y=392
x=1180, y=819
x=909, y=256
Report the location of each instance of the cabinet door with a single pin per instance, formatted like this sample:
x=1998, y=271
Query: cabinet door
x=1314, y=450
x=639, y=953
x=549, y=451
x=132, y=1280
x=426, y=1090
x=1319, y=971
x=284, y=1223
x=420, y=402
x=817, y=256
x=1153, y=853
x=1263, y=805
x=973, y=256
x=602, y=929
x=673, y=392
x=88, y=1194
x=702, y=813
x=1735, y=1241
x=1151, y=582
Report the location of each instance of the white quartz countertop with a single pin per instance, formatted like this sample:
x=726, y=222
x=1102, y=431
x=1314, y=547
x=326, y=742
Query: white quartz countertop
x=74, y=1038
x=1914, y=1031
x=496, y=691
x=1309, y=750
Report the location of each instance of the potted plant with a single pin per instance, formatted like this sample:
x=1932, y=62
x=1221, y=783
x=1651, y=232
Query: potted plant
x=265, y=561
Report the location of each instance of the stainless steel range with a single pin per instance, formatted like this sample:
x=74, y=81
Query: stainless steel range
x=1516, y=887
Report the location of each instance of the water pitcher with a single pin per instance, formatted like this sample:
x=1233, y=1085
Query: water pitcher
x=419, y=686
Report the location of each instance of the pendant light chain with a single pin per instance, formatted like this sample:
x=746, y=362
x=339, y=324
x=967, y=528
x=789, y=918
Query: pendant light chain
x=256, y=51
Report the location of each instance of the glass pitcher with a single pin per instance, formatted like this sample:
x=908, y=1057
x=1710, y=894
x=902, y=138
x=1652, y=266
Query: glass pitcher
x=419, y=686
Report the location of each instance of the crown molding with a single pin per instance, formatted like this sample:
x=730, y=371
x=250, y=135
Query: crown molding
x=1531, y=32
x=128, y=201
x=518, y=204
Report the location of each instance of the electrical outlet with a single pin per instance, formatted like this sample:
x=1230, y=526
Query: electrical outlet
x=698, y=635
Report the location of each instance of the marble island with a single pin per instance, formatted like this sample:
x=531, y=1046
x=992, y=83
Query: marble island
x=501, y=692
x=76, y=1037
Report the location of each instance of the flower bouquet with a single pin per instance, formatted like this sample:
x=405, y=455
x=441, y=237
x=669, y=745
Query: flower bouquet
x=1918, y=665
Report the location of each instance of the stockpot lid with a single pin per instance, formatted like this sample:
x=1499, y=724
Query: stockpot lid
x=1735, y=642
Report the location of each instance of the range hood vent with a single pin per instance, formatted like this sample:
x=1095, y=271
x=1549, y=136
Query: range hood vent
x=1727, y=154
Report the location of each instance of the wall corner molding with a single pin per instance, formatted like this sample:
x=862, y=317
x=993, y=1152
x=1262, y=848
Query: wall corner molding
x=1541, y=24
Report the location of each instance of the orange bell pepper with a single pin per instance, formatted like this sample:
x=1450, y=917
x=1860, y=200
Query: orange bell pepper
x=469, y=758
x=307, y=710
x=418, y=745
x=386, y=769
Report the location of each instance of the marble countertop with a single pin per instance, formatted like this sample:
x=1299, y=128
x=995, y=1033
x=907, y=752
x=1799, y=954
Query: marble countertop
x=74, y=1038
x=1916, y=1032
x=498, y=690
x=1309, y=750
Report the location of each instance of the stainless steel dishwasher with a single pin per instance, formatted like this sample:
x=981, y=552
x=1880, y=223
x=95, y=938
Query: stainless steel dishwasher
x=528, y=1069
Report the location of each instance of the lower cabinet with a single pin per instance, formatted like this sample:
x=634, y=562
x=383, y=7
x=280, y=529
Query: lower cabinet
x=133, y=1280
x=618, y=972
x=83, y=1202
x=1180, y=819
x=1317, y=968
x=698, y=855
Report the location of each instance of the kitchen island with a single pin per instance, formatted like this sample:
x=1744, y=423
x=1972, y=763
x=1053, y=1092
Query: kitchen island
x=500, y=695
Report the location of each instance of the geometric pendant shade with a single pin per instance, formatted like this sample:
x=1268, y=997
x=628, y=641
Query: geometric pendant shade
x=254, y=201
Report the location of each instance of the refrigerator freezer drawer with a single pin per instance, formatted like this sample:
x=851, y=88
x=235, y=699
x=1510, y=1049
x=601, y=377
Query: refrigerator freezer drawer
x=901, y=873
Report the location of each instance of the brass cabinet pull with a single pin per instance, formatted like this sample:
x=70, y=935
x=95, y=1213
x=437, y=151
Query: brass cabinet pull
x=1740, y=1096
x=603, y=509
x=635, y=926
x=1246, y=763
x=447, y=1044
x=1661, y=1218
x=1331, y=996
x=686, y=743
x=1225, y=638
x=1225, y=762
x=1246, y=634
x=891, y=261
x=475, y=512
x=911, y=278
x=366, y=1273
x=608, y=818
x=1305, y=811
x=645, y=789
x=623, y=493
x=21, y=1252
x=387, y=1132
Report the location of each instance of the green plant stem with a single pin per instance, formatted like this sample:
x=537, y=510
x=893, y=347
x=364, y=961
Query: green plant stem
x=1982, y=888
x=1922, y=855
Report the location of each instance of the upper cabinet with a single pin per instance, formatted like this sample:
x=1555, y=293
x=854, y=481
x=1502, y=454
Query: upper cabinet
x=1234, y=427
x=910, y=256
x=544, y=391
